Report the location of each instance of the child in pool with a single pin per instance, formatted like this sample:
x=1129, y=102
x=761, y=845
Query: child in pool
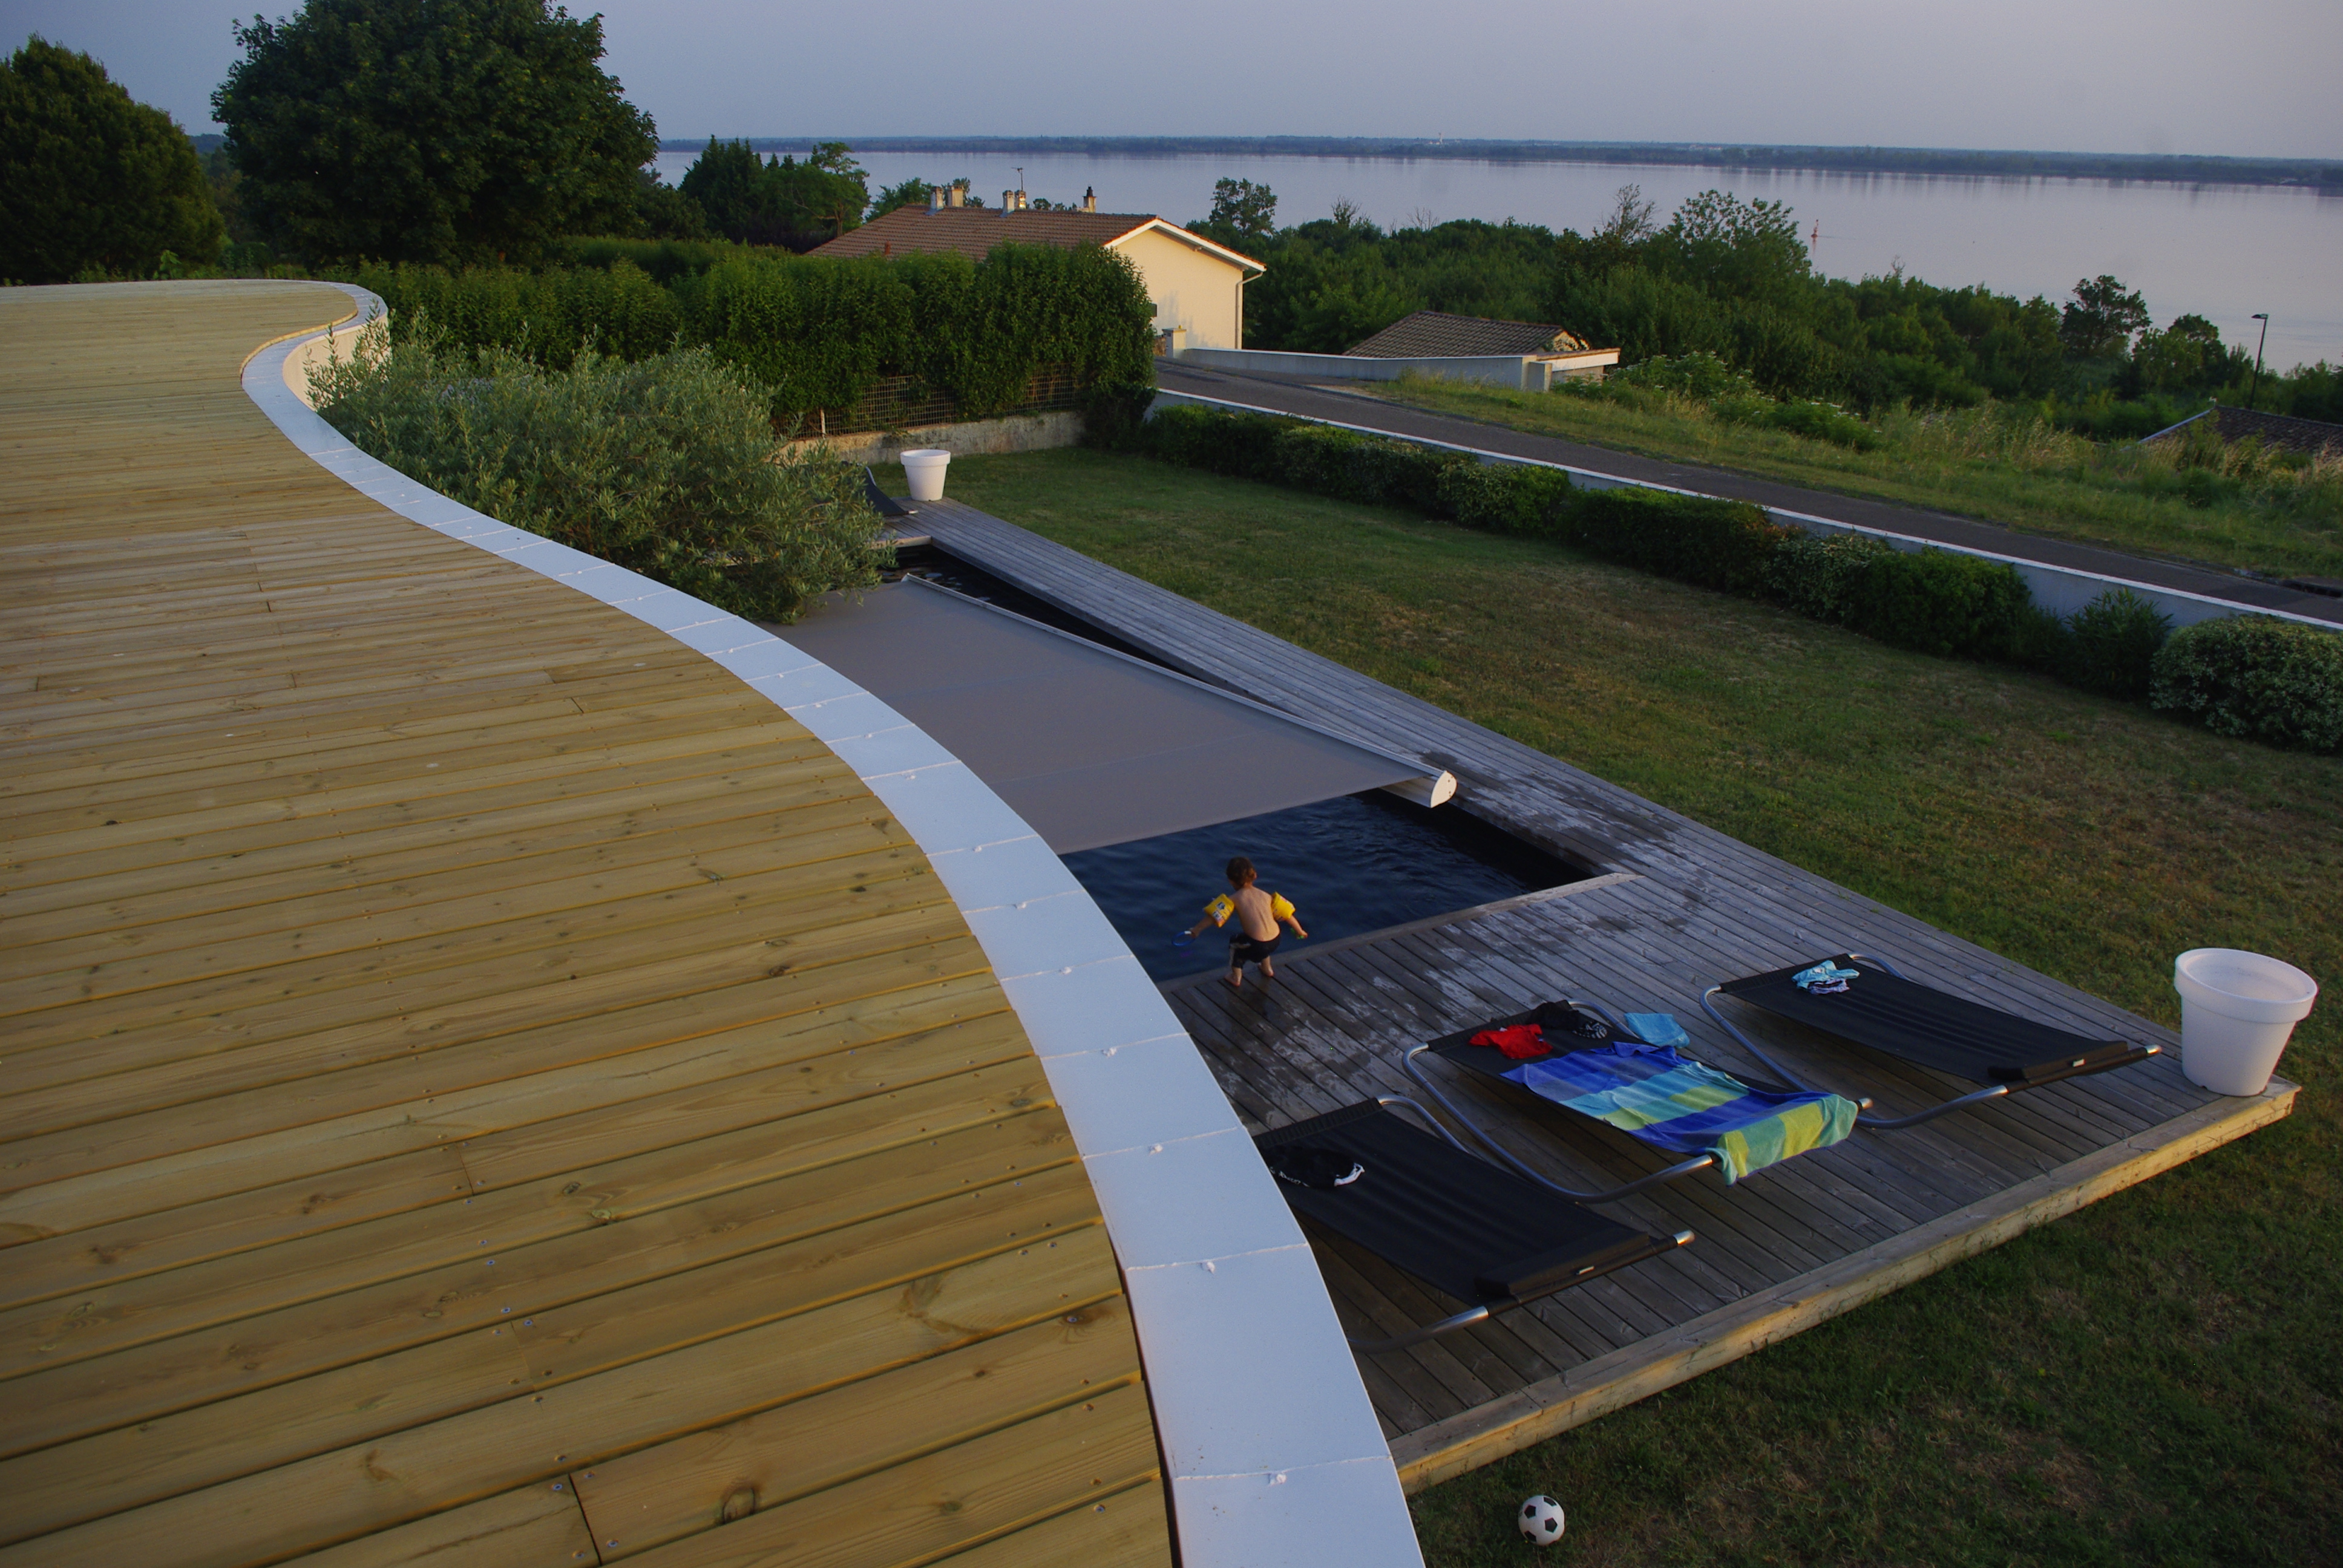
x=1257, y=914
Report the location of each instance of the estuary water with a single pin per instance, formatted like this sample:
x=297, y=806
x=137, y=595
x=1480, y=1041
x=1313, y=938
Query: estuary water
x=2222, y=252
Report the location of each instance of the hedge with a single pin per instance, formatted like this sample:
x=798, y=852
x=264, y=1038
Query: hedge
x=813, y=332
x=1715, y=544
x=2257, y=677
x=1935, y=601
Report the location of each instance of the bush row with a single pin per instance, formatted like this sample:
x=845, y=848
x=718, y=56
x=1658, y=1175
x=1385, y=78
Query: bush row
x=2250, y=676
x=813, y=332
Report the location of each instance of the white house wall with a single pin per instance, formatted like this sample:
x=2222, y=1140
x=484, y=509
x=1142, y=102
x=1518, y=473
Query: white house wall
x=1191, y=288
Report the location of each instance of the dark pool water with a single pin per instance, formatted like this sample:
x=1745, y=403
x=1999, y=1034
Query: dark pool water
x=1353, y=864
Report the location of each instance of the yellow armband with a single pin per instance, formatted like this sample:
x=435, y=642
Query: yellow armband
x=1220, y=908
x=1281, y=908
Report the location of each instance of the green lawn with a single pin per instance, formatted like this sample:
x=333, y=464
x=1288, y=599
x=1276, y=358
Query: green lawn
x=2154, y=1380
x=1979, y=462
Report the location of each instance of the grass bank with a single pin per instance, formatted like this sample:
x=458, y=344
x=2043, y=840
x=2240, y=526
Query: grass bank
x=1994, y=463
x=2154, y=1379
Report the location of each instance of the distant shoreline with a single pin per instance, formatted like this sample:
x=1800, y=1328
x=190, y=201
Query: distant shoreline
x=2164, y=169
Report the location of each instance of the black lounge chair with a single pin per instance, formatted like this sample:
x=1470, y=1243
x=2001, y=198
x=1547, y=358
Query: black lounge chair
x=883, y=503
x=1897, y=1016
x=1573, y=1026
x=1425, y=1206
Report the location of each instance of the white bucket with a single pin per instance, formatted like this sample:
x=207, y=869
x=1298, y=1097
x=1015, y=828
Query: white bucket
x=924, y=470
x=2236, y=1009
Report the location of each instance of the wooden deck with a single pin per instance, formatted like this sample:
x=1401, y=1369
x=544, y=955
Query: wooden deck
x=1679, y=907
x=479, y=1079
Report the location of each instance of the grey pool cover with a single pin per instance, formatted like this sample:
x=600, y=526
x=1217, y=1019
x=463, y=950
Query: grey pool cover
x=1090, y=747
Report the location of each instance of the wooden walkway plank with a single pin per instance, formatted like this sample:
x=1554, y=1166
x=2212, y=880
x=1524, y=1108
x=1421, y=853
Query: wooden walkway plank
x=540, y=1436
x=681, y=1488
x=967, y=1495
x=398, y=937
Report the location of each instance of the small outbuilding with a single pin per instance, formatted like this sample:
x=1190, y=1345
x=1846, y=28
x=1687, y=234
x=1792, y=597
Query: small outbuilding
x=1196, y=284
x=2278, y=432
x=1435, y=334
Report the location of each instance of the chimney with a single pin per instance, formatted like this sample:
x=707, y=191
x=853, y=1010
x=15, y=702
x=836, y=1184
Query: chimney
x=1007, y=201
x=1090, y=199
x=935, y=200
x=957, y=195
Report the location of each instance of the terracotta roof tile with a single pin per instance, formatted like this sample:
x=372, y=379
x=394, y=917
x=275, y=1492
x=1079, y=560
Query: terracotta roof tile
x=1437, y=333
x=975, y=230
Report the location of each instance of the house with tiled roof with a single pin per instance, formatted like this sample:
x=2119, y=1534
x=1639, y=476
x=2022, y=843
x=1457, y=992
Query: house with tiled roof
x=1197, y=286
x=1436, y=334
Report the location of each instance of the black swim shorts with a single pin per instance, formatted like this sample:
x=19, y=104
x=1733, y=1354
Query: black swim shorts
x=1244, y=949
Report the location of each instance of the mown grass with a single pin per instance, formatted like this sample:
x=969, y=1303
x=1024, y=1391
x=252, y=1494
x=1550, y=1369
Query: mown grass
x=1997, y=463
x=2153, y=1380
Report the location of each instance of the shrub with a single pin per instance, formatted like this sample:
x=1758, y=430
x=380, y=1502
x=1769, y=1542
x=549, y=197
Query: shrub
x=2111, y=644
x=2257, y=677
x=1505, y=498
x=1822, y=422
x=1351, y=466
x=1219, y=441
x=664, y=466
x=2039, y=639
x=1939, y=602
x=1717, y=544
x=1814, y=574
x=817, y=333
x=545, y=317
x=1700, y=374
x=665, y=259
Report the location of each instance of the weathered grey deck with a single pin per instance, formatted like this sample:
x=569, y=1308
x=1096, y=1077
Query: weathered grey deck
x=1680, y=906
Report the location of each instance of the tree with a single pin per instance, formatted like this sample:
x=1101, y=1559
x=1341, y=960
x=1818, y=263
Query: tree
x=778, y=201
x=663, y=212
x=1243, y=209
x=1631, y=222
x=1735, y=249
x=95, y=181
x=2186, y=357
x=447, y=131
x=2101, y=318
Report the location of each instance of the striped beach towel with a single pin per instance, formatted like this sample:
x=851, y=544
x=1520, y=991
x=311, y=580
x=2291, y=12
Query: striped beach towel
x=1669, y=1101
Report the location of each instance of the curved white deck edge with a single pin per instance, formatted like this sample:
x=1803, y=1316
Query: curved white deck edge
x=2064, y=589
x=1272, y=1450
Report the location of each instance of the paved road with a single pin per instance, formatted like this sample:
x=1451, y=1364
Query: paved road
x=1291, y=395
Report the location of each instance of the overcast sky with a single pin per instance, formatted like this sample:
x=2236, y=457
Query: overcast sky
x=2249, y=77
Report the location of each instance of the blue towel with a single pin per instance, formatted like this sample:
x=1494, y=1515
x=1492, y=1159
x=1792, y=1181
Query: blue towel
x=1825, y=979
x=1673, y=1102
x=1658, y=1028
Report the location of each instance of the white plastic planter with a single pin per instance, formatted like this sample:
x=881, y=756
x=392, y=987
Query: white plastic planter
x=924, y=469
x=2236, y=1009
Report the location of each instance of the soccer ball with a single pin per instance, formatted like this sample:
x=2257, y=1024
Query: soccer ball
x=1541, y=1521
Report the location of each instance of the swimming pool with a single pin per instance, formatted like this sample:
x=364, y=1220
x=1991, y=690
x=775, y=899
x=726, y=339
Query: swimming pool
x=1353, y=864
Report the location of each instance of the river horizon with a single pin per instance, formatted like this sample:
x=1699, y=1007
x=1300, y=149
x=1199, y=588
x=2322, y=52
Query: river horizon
x=2222, y=252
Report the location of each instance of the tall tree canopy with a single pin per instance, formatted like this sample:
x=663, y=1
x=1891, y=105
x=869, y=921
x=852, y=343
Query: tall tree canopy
x=94, y=180
x=2101, y=318
x=1243, y=210
x=445, y=131
x=780, y=201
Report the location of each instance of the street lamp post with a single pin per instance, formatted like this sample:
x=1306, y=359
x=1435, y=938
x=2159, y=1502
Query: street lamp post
x=2254, y=386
